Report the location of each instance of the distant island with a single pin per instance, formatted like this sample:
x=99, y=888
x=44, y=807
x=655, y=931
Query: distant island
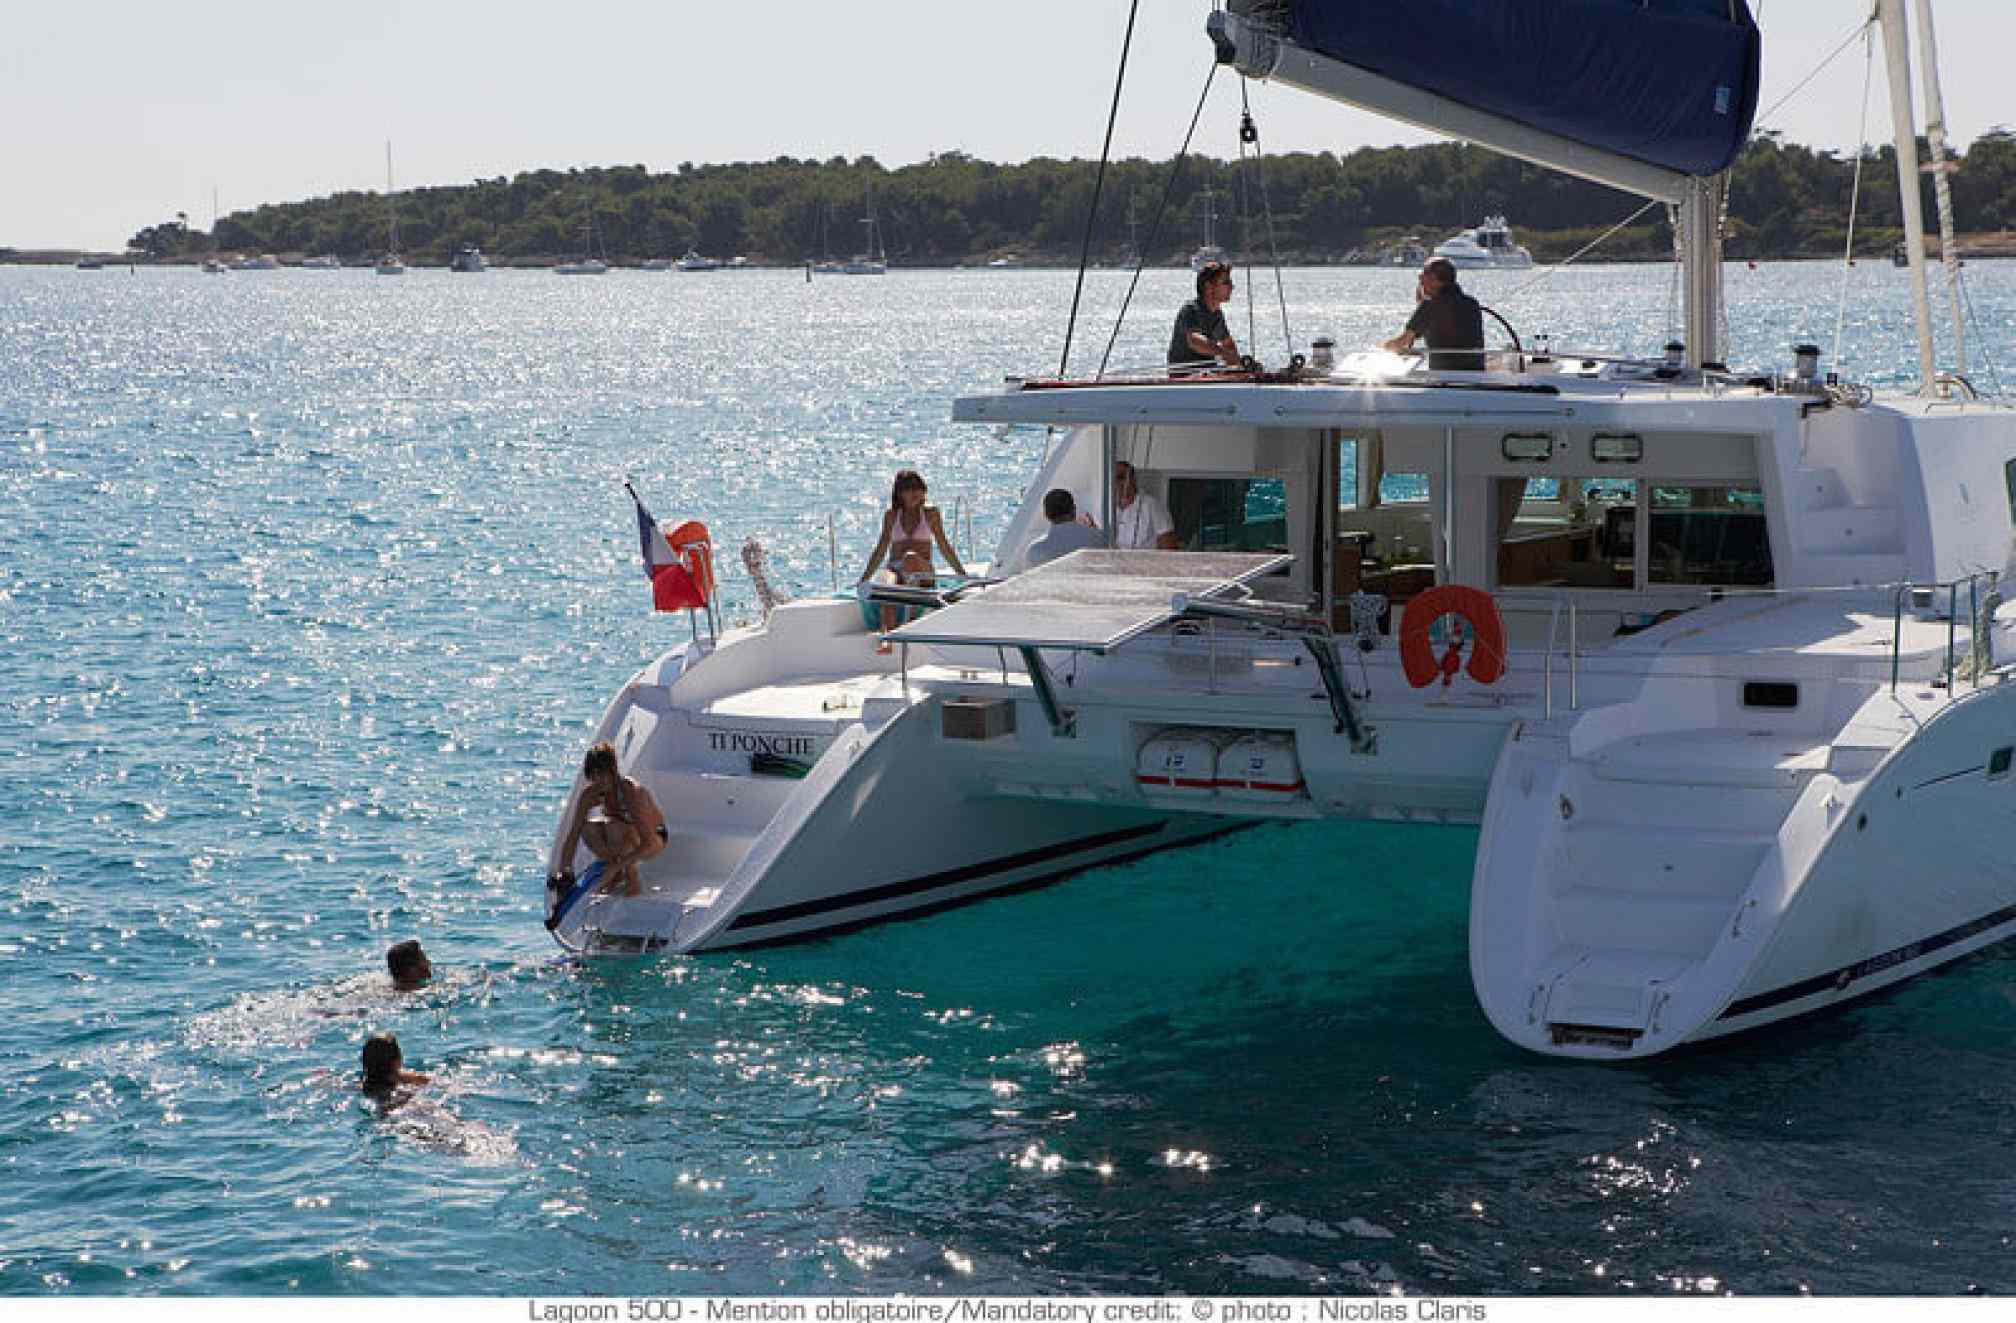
x=1786, y=201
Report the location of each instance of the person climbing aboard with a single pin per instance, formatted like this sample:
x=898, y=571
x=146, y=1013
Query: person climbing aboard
x=630, y=831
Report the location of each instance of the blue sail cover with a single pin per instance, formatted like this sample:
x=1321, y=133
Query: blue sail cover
x=1672, y=83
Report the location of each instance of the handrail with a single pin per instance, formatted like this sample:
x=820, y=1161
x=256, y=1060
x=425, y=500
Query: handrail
x=1952, y=587
x=1556, y=598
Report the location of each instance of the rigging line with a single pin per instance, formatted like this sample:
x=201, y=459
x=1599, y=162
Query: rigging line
x=1756, y=126
x=1246, y=230
x=1673, y=277
x=1854, y=194
x=1098, y=186
x=1155, y=230
x=1981, y=341
x=1267, y=209
x=1581, y=252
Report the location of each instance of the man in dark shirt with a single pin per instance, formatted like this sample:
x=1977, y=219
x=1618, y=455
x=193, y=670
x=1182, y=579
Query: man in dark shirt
x=1447, y=318
x=1201, y=338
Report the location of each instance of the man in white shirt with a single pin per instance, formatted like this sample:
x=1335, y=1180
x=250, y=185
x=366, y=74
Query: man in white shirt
x=1139, y=521
x=1066, y=534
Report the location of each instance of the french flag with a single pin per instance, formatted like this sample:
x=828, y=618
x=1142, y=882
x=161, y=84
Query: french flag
x=672, y=586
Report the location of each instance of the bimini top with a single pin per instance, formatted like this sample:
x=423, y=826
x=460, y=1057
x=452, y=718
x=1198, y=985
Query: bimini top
x=1672, y=83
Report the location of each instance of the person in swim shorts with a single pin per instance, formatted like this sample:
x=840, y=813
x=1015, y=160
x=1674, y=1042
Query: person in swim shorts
x=630, y=830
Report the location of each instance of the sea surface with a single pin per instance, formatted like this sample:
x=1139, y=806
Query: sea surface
x=311, y=588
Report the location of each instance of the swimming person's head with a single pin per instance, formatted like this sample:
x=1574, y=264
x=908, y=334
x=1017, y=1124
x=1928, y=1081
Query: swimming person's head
x=382, y=1063
x=409, y=965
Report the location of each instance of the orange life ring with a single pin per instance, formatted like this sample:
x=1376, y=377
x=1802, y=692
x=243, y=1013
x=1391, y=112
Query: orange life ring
x=1487, y=635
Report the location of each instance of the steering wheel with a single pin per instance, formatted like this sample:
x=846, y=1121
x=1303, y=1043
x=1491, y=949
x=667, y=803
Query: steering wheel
x=1517, y=347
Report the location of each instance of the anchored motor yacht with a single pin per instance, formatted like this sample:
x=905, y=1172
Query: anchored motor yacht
x=1715, y=662
x=1487, y=247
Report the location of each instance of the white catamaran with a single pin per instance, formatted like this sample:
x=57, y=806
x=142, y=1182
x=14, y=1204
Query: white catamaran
x=1716, y=662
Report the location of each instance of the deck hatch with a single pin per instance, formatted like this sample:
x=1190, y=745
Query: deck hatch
x=1770, y=693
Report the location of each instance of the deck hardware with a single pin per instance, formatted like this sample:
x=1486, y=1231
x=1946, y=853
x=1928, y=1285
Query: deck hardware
x=1567, y=808
x=1063, y=720
x=1861, y=821
x=1316, y=637
x=1998, y=761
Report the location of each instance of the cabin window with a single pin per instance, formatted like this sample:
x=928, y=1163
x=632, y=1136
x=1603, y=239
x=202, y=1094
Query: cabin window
x=2009, y=482
x=1527, y=447
x=1363, y=481
x=1229, y=514
x=1708, y=535
x=1616, y=448
x=1403, y=489
x=1565, y=532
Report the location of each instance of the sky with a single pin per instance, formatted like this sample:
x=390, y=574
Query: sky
x=120, y=114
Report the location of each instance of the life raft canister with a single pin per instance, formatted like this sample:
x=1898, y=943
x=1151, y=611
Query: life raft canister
x=1487, y=635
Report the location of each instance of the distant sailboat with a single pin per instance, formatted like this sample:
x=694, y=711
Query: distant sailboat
x=873, y=261
x=590, y=264
x=391, y=264
x=1208, y=251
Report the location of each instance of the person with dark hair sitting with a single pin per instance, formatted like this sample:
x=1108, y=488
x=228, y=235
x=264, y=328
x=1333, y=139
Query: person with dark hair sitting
x=1066, y=534
x=385, y=1066
x=1450, y=320
x=409, y=965
x=630, y=830
x=1201, y=339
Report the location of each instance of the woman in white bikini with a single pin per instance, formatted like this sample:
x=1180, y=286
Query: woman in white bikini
x=909, y=527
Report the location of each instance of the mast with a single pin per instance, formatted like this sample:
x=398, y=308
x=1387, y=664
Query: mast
x=1701, y=268
x=391, y=208
x=1897, y=52
x=1942, y=171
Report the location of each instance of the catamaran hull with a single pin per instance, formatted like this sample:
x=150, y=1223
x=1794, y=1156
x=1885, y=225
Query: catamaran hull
x=874, y=830
x=1886, y=865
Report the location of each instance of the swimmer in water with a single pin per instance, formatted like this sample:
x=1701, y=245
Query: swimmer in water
x=384, y=1067
x=410, y=968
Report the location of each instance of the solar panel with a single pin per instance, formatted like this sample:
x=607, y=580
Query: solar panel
x=1091, y=600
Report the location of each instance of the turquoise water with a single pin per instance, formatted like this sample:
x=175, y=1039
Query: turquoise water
x=311, y=586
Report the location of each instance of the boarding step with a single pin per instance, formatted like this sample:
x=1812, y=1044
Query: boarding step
x=1605, y=997
x=1850, y=530
x=1670, y=863
x=1817, y=489
x=1628, y=919
x=1661, y=806
x=1713, y=758
x=1843, y=569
